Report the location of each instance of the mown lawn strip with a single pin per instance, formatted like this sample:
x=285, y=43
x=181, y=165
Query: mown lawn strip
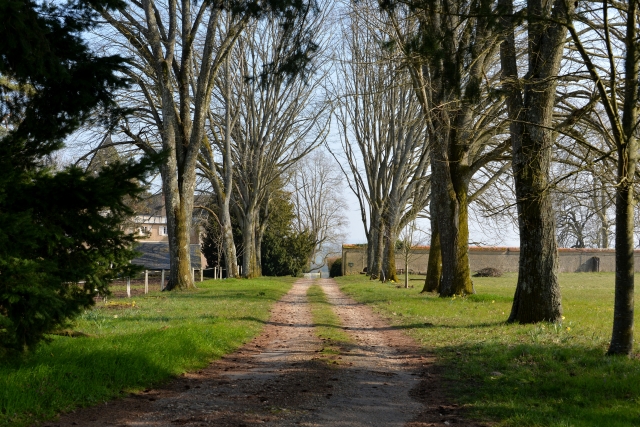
x=327, y=324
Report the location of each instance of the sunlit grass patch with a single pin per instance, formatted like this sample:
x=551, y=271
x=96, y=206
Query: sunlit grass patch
x=133, y=346
x=520, y=375
x=327, y=324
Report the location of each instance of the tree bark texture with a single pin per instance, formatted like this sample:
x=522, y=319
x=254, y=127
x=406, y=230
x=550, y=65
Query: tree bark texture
x=537, y=297
x=449, y=69
x=449, y=191
x=627, y=147
x=250, y=268
x=370, y=248
x=434, y=267
x=389, y=270
x=378, y=233
x=622, y=334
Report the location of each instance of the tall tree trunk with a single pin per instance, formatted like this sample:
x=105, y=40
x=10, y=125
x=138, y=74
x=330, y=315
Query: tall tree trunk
x=376, y=263
x=371, y=236
x=623, y=130
x=180, y=243
x=434, y=268
x=258, y=257
x=406, y=268
x=450, y=193
x=249, y=262
x=178, y=232
x=389, y=271
x=259, y=235
x=622, y=335
x=373, y=242
x=537, y=296
x=179, y=210
x=228, y=244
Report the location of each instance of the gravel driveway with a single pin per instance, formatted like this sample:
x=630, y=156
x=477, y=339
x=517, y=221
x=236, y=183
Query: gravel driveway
x=281, y=379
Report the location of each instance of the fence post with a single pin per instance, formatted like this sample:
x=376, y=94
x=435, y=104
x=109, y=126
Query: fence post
x=129, y=287
x=201, y=274
x=146, y=282
x=162, y=281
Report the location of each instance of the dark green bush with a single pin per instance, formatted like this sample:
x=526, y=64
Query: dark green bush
x=335, y=270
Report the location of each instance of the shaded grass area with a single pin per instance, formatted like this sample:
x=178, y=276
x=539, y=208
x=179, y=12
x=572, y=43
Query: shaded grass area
x=133, y=344
x=520, y=375
x=327, y=324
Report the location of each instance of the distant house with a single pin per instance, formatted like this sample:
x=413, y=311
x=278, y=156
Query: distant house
x=149, y=225
x=150, y=228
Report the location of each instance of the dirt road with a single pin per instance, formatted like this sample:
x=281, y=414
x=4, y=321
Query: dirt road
x=280, y=379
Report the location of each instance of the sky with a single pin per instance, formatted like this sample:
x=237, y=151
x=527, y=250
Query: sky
x=478, y=235
x=482, y=232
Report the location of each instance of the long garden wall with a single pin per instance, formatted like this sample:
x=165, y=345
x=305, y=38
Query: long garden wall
x=354, y=259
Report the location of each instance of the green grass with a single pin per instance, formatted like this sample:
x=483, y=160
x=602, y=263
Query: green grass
x=327, y=324
x=132, y=347
x=520, y=375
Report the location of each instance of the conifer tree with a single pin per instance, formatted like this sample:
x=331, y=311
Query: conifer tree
x=61, y=239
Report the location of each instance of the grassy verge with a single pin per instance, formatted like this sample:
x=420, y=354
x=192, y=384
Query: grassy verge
x=327, y=324
x=521, y=375
x=131, y=346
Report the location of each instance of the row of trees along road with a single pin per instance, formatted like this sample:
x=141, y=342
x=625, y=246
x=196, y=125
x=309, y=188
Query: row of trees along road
x=517, y=85
x=265, y=122
x=438, y=103
x=383, y=139
x=177, y=50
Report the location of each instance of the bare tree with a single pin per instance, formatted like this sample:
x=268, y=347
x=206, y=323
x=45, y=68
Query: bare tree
x=219, y=172
x=619, y=98
x=319, y=205
x=582, y=205
x=383, y=136
x=178, y=49
x=269, y=122
x=452, y=55
x=530, y=104
x=410, y=237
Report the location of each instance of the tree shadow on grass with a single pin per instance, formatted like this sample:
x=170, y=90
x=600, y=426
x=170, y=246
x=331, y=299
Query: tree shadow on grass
x=232, y=295
x=543, y=384
x=429, y=325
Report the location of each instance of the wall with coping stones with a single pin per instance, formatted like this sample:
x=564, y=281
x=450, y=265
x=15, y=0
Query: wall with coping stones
x=354, y=259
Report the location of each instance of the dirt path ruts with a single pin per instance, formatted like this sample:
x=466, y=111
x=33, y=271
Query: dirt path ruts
x=279, y=379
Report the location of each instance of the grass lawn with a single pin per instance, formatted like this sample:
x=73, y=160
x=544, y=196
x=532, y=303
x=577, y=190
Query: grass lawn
x=327, y=324
x=520, y=375
x=132, y=346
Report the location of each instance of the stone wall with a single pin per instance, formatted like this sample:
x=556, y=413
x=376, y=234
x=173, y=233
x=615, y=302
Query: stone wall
x=354, y=259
